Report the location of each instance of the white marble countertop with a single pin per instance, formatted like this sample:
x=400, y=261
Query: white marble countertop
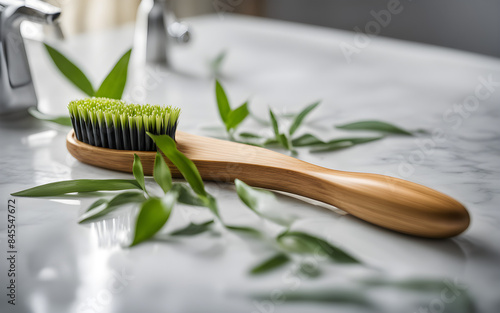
x=66, y=267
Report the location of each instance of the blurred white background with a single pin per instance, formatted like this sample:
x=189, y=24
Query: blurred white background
x=461, y=24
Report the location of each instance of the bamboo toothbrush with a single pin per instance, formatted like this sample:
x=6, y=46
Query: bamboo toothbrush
x=106, y=133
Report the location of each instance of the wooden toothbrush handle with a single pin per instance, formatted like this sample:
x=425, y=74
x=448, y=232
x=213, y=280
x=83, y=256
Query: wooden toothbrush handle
x=389, y=202
x=385, y=201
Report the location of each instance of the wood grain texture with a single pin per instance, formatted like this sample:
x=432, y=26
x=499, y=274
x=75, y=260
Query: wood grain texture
x=389, y=202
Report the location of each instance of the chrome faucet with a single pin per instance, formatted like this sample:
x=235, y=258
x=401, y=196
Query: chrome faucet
x=16, y=85
x=157, y=29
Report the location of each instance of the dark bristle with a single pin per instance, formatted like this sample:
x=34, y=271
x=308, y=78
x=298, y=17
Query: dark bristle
x=114, y=124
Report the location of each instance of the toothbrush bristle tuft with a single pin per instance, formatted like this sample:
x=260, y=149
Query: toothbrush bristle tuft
x=114, y=124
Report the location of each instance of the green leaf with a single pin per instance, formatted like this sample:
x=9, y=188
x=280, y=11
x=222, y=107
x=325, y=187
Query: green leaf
x=216, y=63
x=161, y=173
x=342, y=143
x=249, y=135
x=271, y=141
x=332, y=146
x=280, y=138
x=193, y=229
x=309, y=270
x=79, y=185
x=274, y=123
x=301, y=116
x=61, y=120
x=306, y=140
x=244, y=229
x=186, y=196
x=375, y=126
x=222, y=102
x=113, y=85
x=301, y=242
x=285, y=142
x=96, y=204
x=152, y=217
x=270, y=264
x=119, y=200
x=210, y=202
x=255, y=199
x=234, y=118
x=251, y=196
x=138, y=172
x=185, y=165
x=71, y=71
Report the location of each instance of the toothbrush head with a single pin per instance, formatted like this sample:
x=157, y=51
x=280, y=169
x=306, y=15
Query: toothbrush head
x=115, y=124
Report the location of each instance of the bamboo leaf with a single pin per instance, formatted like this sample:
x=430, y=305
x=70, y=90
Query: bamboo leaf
x=119, y=200
x=255, y=199
x=186, y=166
x=375, y=126
x=306, y=140
x=271, y=141
x=332, y=146
x=222, y=102
x=152, y=217
x=113, y=85
x=186, y=195
x=71, y=71
x=97, y=204
x=249, y=135
x=61, y=120
x=274, y=123
x=211, y=204
x=244, y=229
x=235, y=117
x=342, y=143
x=138, y=172
x=216, y=63
x=282, y=139
x=301, y=116
x=301, y=242
x=251, y=196
x=161, y=173
x=285, y=142
x=193, y=229
x=79, y=185
x=270, y=264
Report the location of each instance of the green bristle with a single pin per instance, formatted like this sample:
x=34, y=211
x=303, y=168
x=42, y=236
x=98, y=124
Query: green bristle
x=139, y=122
x=108, y=117
x=158, y=123
x=100, y=117
x=145, y=120
x=122, y=125
x=123, y=121
x=116, y=120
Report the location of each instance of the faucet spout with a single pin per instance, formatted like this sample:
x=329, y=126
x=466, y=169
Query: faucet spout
x=17, y=91
x=157, y=29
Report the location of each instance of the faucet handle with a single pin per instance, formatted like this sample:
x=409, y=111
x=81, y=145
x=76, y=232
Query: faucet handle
x=32, y=10
x=179, y=32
